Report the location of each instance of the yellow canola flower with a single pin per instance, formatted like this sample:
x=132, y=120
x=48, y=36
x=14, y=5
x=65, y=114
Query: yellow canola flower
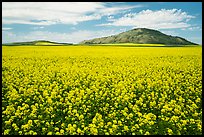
x=62, y=131
x=94, y=131
x=57, y=133
x=81, y=117
x=170, y=132
x=101, y=89
x=115, y=121
x=126, y=128
x=147, y=133
x=6, y=132
x=7, y=122
x=79, y=131
x=49, y=133
x=56, y=129
x=49, y=100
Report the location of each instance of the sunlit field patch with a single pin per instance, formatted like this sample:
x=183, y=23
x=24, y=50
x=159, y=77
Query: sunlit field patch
x=46, y=43
x=101, y=90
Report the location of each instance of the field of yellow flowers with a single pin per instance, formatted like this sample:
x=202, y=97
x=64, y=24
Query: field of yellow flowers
x=62, y=90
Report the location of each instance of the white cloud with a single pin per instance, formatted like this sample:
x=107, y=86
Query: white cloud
x=193, y=28
x=73, y=37
x=110, y=17
x=36, y=28
x=123, y=29
x=48, y=13
x=159, y=19
x=117, y=9
x=170, y=32
x=4, y=29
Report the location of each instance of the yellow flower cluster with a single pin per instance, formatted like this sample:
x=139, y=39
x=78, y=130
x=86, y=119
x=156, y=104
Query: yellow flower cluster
x=82, y=90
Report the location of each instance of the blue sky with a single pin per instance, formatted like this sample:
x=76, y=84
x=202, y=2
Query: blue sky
x=73, y=22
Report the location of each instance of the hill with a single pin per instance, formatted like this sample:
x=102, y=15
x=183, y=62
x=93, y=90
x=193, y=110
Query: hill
x=140, y=36
x=38, y=42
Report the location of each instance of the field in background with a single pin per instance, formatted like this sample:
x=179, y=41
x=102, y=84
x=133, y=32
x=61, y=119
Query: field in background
x=130, y=45
x=46, y=43
x=101, y=90
x=137, y=45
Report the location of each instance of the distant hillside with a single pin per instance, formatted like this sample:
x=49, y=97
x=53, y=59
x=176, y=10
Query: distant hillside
x=140, y=36
x=38, y=42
